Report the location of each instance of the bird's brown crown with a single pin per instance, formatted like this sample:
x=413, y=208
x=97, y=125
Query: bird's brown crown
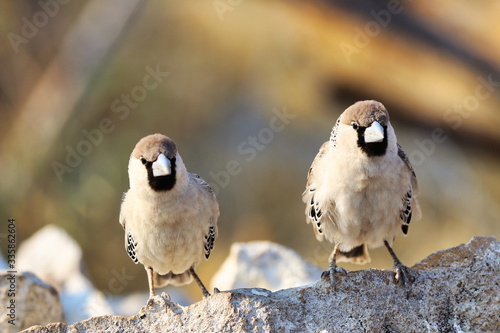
x=364, y=113
x=152, y=145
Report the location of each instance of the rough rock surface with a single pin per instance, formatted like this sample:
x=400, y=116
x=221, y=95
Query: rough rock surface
x=60, y=264
x=36, y=303
x=455, y=290
x=266, y=265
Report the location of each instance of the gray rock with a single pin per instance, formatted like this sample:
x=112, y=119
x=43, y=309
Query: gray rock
x=60, y=264
x=52, y=255
x=455, y=290
x=35, y=302
x=264, y=264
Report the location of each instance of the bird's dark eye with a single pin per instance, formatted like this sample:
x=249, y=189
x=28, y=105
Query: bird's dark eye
x=355, y=126
x=143, y=160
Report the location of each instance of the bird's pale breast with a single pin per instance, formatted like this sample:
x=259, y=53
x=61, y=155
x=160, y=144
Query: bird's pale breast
x=365, y=207
x=170, y=237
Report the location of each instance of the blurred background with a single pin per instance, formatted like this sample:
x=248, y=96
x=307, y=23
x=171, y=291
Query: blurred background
x=252, y=81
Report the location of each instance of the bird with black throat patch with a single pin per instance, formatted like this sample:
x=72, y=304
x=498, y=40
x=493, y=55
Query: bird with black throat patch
x=361, y=189
x=169, y=215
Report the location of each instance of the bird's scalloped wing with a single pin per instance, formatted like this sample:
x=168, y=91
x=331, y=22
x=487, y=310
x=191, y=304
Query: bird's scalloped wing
x=212, y=232
x=406, y=208
x=314, y=208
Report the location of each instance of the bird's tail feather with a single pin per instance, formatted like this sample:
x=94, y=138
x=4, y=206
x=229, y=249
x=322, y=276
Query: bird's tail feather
x=173, y=279
x=358, y=255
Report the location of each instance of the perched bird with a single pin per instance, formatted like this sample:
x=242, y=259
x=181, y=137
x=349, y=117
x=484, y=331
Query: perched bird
x=361, y=188
x=169, y=215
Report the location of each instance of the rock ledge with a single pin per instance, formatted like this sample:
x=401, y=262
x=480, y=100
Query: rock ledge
x=455, y=290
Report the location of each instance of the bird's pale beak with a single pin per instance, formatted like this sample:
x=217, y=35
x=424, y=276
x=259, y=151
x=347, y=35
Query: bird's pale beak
x=161, y=167
x=374, y=133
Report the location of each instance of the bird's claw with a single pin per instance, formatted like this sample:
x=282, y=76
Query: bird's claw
x=216, y=290
x=331, y=272
x=204, y=291
x=164, y=296
x=404, y=277
x=340, y=270
x=327, y=276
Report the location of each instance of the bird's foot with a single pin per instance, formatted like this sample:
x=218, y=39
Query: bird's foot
x=163, y=295
x=216, y=290
x=330, y=274
x=150, y=300
x=166, y=295
x=205, y=293
x=404, y=277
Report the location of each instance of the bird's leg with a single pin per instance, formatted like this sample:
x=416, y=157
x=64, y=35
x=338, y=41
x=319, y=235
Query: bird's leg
x=197, y=279
x=404, y=274
x=152, y=288
x=333, y=268
x=151, y=285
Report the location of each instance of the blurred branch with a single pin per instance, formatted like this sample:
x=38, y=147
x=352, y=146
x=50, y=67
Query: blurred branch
x=412, y=25
x=41, y=119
